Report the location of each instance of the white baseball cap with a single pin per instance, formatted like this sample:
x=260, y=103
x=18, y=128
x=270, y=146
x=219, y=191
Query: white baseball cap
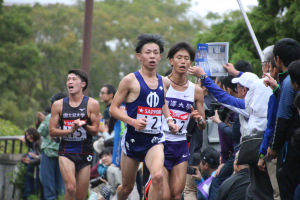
x=246, y=79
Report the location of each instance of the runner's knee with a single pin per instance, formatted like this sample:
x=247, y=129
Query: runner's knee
x=157, y=178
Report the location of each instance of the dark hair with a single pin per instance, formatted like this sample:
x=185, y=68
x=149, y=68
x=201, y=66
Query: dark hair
x=58, y=96
x=182, y=46
x=228, y=84
x=110, y=89
x=169, y=72
x=220, y=79
x=212, y=166
x=34, y=133
x=288, y=50
x=143, y=39
x=83, y=76
x=297, y=101
x=272, y=62
x=243, y=66
x=109, y=142
x=106, y=151
x=294, y=72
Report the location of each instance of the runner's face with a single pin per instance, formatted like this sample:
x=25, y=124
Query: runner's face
x=106, y=159
x=149, y=56
x=181, y=61
x=74, y=84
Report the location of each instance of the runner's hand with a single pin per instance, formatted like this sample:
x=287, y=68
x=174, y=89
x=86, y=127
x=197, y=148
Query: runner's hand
x=140, y=124
x=174, y=128
x=261, y=164
x=270, y=82
x=195, y=114
x=75, y=125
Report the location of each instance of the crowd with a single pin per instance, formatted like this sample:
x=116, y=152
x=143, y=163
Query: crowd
x=149, y=144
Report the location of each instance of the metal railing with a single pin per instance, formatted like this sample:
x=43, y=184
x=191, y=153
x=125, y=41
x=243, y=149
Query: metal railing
x=12, y=145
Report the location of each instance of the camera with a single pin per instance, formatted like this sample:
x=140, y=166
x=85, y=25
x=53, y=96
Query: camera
x=223, y=112
x=191, y=170
x=95, y=182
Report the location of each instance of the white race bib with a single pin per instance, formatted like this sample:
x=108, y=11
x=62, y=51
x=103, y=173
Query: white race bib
x=153, y=115
x=78, y=135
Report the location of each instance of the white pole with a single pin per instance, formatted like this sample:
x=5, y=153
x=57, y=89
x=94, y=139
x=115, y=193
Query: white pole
x=251, y=31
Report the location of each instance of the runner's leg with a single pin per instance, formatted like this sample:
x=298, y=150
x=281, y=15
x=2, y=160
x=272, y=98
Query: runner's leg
x=67, y=168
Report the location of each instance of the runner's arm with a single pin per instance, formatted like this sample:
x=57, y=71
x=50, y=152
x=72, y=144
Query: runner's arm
x=94, y=109
x=199, y=99
x=54, y=131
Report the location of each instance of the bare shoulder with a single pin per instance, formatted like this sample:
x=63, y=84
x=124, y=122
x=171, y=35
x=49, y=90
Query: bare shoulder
x=198, y=92
x=166, y=82
x=128, y=79
x=93, y=102
x=57, y=106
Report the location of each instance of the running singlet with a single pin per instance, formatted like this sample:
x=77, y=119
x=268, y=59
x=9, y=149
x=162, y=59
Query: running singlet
x=80, y=142
x=180, y=109
x=148, y=105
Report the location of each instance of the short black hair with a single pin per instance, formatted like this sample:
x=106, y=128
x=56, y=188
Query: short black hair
x=83, y=76
x=143, y=39
x=58, y=96
x=106, y=151
x=34, y=133
x=169, y=72
x=243, y=66
x=288, y=50
x=228, y=84
x=297, y=101
x=294, y=72
x=220, y=79
x=182, y=46
x=110, y=89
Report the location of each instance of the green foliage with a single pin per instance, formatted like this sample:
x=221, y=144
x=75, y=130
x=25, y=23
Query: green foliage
x=17, y=178
x=271, y=20
x=9, y=129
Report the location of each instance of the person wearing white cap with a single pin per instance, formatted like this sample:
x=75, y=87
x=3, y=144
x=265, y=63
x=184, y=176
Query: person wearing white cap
x=252, y=106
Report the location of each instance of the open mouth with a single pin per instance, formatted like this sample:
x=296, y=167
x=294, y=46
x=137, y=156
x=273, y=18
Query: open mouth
x=182, y=67
x=71, y=87
x=152, y=62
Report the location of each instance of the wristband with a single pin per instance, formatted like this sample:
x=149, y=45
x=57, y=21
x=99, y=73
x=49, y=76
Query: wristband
x=168, y=118
x=261, y=155
x=200, y=121
x=84, y=125
x=132, y=122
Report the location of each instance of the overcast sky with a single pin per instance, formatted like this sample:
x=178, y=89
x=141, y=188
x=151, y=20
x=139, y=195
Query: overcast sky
x=201, y=7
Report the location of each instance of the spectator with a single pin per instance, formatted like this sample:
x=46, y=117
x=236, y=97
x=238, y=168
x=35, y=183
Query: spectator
x=268, y=56
x=209, y=163
x=106, y=96
x=234, y=188
x=288, y=120
x=51, y=178
x=264, y=162
x=32, y=160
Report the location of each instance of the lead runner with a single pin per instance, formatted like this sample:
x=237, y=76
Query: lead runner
x=144, y=94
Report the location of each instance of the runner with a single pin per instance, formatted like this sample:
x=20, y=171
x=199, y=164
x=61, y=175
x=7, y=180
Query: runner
x=144, y=94
x=75, y=119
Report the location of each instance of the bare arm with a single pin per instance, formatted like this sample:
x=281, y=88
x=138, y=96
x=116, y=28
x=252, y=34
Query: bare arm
x=199, y=99
x=93, y=113
x=123, y=90
x=56, y=110
x=174, y=128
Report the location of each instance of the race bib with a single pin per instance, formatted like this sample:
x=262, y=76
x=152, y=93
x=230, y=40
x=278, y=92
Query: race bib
x=78, y=135
x=181, y=119
x=153, y=115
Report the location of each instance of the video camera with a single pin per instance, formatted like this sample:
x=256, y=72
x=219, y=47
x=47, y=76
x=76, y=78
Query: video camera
x=223, y=112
